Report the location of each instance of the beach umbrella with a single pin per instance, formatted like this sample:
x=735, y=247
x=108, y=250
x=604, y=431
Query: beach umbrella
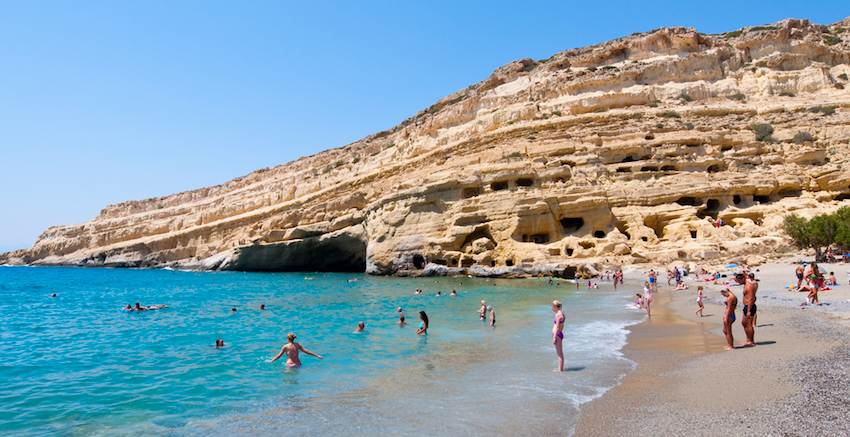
x=732, y=266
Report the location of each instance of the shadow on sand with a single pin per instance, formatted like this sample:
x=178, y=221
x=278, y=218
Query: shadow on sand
x=574, y=369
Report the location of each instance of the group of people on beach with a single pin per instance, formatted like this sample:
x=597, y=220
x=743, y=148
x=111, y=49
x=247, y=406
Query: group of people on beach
x=748, y=318
x=815, y=282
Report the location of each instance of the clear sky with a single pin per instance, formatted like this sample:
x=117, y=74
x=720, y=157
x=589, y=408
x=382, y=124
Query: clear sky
x=107, y=101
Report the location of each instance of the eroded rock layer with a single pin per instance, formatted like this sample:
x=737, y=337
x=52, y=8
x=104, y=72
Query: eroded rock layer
x=629, y=151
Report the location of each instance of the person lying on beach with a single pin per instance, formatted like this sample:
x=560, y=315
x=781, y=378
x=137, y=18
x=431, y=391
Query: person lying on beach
x=291, y=350
x=729, y=317
x=682, y=286
x=360, y=327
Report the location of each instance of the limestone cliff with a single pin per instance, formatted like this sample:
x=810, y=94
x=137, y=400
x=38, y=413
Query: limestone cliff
x=628, y=151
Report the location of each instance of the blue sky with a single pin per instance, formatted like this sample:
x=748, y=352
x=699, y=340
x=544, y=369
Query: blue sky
x=105, y=101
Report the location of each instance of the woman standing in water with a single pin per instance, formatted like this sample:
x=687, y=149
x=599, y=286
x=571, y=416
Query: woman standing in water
x=423, y=327
x=558, y=334
x=291, y=350
x=647, y=296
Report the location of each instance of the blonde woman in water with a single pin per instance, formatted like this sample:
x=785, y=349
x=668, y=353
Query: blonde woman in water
x=291, y=350
x=558, y=334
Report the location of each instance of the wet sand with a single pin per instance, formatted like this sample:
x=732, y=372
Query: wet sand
x=796, y=381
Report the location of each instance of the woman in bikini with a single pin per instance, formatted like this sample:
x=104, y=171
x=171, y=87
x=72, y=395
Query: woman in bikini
x=558, y=334
x=291, y=351
x=647, y=296
x=423, y=327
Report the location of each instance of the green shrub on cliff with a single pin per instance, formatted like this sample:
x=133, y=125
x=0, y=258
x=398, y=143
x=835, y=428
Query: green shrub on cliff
x=763, y=132
x=738, y=96
x=802, y=138
x=831, y=40
x=821, y=231
x=670, y=114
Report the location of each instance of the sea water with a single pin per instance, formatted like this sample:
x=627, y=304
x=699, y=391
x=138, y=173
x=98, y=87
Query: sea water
x=75, y=364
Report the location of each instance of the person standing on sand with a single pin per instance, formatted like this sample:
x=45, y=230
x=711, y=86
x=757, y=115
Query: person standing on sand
x=647, y=296
x=653, y=279
x=558, y=334
x=699, y=301
x=749, y=300
x=729, y=317
x=291, y=350
x=799, y=272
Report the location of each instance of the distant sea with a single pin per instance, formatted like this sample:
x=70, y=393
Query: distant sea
x=76, y=365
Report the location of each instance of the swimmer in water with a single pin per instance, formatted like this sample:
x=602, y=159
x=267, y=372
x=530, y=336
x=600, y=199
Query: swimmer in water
x=439, y=293
x=291, y=350
x=360, y=327
x=558, y=334
x=492, y=316
x=453, y=293
x=262, y=307
x=482, y=312
x=54, y=295
x=401, y=320
x=423, y=327
x=219, y=343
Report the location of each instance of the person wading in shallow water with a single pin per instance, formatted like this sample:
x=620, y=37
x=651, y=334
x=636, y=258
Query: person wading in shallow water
x=291, y=351
x=558, y=334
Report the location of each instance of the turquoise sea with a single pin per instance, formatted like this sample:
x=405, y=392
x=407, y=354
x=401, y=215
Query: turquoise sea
x=75, y=364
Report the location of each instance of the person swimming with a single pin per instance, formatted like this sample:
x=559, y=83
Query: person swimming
x=360, y=327
x=219, y=343
x=291, y=350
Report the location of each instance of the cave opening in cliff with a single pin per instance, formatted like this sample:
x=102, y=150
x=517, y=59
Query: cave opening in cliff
x=509, y=262
x=649, y=168
x=587, y=244
x=656, y=224
x=467, y=262
x=599, y=234
x=694, y=234
x=761, y=199
x=453, y=262
x=627, y=159
x=714, y=168
x=418, y=262
x=471, y=192
x=841, y=197
x=493, y=263
x=790, y=193
x=570, y=251
x=736, y=199
x=572, y=224
x=478, y=233
x=536, y=238
x=668, y=168
x=712, y=205
x=524, y=182
x=688, y=201
x=624, y=170
x=499, y=186
x=441, y=262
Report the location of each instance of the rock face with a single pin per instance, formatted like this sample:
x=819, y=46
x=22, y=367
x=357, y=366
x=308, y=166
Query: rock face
x=625, y=152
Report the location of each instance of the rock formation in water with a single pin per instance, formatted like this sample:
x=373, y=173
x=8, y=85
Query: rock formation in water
x=625, y=152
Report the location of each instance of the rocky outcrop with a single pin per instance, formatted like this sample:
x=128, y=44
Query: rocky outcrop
x=628, y=151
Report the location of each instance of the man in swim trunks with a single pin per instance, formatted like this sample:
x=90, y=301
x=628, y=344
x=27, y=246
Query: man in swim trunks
x=291, y=351
x=652, y=280
x=749, y=299
x=800, y=270
x=729, y=317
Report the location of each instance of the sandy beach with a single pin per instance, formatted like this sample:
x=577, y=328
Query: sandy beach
x=795, y=381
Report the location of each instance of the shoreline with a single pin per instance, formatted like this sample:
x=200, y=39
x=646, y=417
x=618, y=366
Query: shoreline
x=794, y=382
